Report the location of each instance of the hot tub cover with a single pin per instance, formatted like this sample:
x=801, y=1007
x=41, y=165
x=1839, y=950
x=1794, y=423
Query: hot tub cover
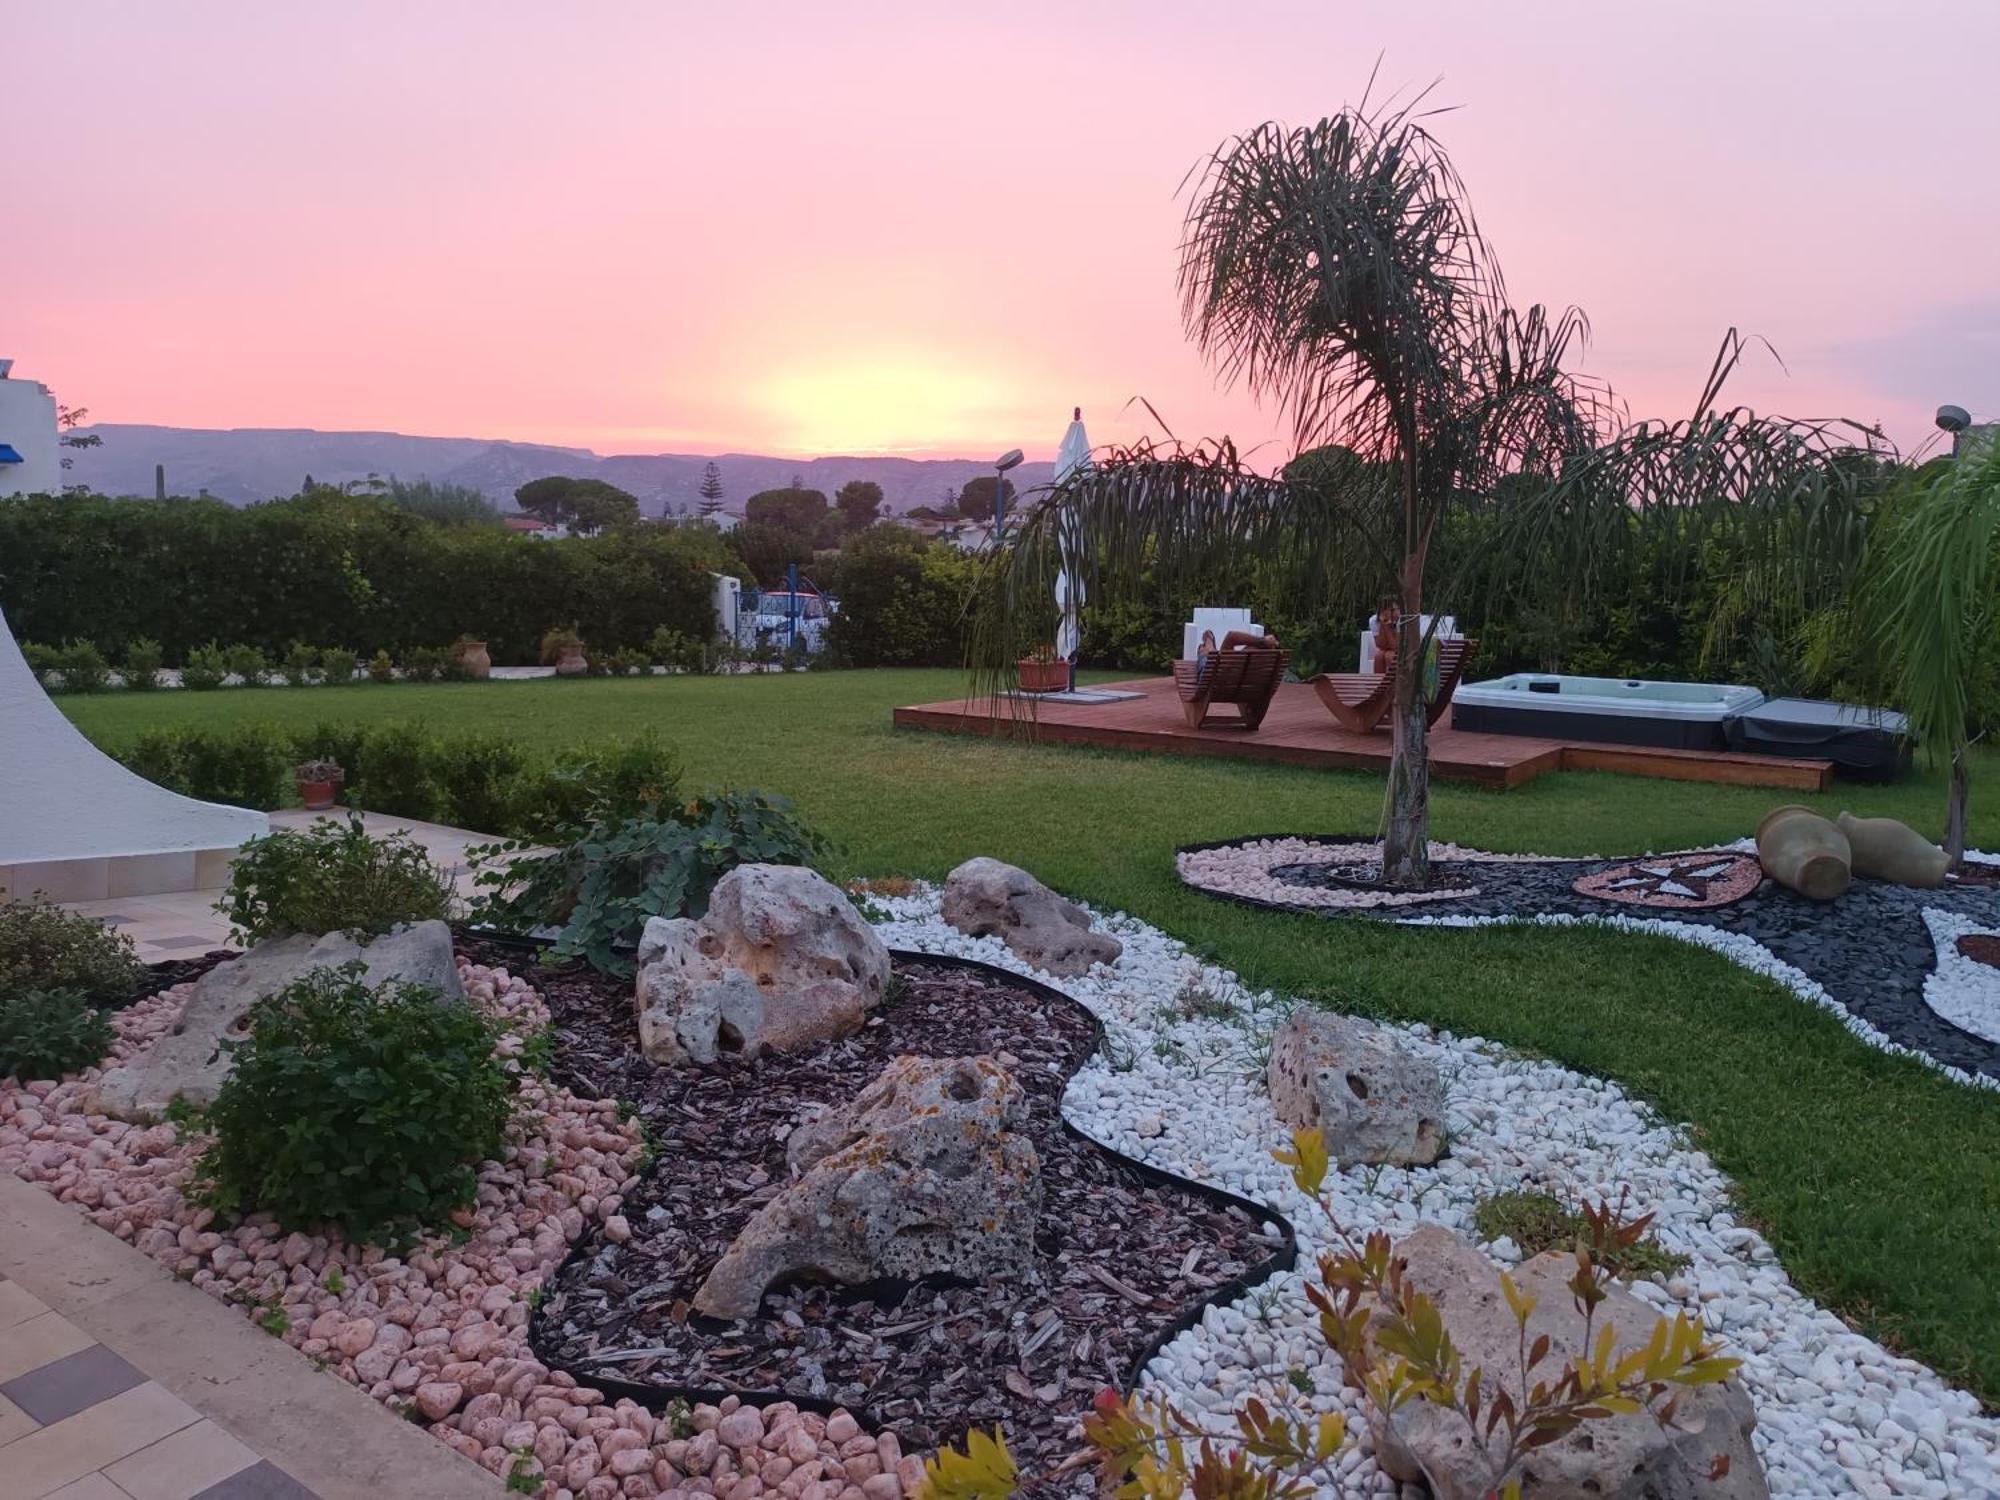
x=1868, y=744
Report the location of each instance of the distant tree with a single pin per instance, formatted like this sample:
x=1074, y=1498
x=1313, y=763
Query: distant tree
x=797, y=510
x=767, y=551
x=711, y=490
x=975, y=501
x=68, y=419
x=860, y=501
x=583, y=505
x=446, y=504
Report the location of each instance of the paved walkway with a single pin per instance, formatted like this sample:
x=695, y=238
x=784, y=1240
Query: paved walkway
x=185, y=924
x=120, y=1382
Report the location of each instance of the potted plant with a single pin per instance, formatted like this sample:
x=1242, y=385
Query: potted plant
x=562, y=648
x=1042, y=671
x=318, y=783
x=470, y=658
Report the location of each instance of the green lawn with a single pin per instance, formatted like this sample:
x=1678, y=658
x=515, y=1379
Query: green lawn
x=1877, y=1181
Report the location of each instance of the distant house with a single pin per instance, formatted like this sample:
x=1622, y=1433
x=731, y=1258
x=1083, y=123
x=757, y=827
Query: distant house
x=535, y=526
x=30, y=453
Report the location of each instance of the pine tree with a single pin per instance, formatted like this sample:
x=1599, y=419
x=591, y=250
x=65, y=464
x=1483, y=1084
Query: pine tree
x=711, y=490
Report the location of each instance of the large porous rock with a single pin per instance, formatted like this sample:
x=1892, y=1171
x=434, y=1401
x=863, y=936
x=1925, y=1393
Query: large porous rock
x=920, y=1174
x=1371, y=1098
x=781, y=960
x=189, y=1062
x=985, y=898
x=1613, y=1458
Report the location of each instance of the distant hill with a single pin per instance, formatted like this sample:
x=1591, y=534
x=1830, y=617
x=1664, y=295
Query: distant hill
x=247, y=464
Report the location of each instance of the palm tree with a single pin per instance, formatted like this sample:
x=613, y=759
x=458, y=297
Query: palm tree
x=1338, y=271
x=1937, y=601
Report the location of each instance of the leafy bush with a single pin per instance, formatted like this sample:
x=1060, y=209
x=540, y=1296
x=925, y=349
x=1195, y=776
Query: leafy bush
x=608, y=783
x=333, y=877
x=140, y=666
x=630, y=662
x=41, y=660
x=44, y=947
x=369, y=1108
x=675, y=648
x=598, y=892
x=397, y=774
x=348, y=570
x=1541, y=1221
x=337, y=666
x=381, y=667
x=479, y=782
x=50, y=1033
x=247, y=662
x=556, y=640
x=903, y=600
x=248, y=767
x=425, y=664
x=338, y=742
x=300, y=665
x=205, y=668
x=83, y=668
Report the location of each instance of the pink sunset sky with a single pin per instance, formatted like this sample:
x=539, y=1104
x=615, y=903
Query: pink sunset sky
x=809, y=229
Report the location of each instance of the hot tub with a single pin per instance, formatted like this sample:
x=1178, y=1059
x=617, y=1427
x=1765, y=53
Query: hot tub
x=1609, y=710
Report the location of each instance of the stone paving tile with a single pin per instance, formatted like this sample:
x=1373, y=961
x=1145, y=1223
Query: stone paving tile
x=18, y=1304
x=54, y=1456
x=90, y=1487
x=13, y=1423
x=262, y=1481
x=64, y=1387
x=36, y=1342
x=188, y=1462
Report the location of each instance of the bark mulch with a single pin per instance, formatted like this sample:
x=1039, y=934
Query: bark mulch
x=1121, y=1256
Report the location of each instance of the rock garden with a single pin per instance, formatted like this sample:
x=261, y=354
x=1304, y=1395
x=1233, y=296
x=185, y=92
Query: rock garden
x=768, y=1186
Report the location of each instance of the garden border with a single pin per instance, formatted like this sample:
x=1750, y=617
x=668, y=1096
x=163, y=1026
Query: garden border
x=656, y=1398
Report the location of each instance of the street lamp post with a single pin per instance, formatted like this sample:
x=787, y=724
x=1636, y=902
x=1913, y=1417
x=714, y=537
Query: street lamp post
x=1954, y=420
x=1001, y=465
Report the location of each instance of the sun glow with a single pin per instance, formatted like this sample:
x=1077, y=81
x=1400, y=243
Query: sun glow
x=914, y=402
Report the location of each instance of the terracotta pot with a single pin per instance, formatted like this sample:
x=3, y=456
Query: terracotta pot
x=473, y=660
x=1800, y=849
x=318, y=795
x=570, y=662
x=1887, y=850
x=1043, y=676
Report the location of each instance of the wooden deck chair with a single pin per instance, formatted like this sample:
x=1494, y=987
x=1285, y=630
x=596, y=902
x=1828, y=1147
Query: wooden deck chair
x=1246, y=680
x=1360, y=701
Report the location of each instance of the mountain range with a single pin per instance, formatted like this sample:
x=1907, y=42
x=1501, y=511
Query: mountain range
x=243, y=465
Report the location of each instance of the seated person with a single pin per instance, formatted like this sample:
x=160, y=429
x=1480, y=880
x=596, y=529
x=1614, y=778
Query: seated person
x=1235, y=640
x=1388, y=635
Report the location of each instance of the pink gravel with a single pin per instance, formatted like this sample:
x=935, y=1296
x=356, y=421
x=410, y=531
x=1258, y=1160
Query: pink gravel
x=1245, y=870
x=443, y=1329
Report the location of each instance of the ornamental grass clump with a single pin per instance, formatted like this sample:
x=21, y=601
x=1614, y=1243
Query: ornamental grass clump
x=367, y=1108
x=50, y=1033
x=333, y=877
x=1395, y=1348
x=44, y=947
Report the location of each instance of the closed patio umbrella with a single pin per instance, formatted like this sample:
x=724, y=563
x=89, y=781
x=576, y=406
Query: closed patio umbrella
x=1071, y=457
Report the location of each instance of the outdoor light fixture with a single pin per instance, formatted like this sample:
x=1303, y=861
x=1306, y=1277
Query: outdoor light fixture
x=1001, y=465
x=1954, y=420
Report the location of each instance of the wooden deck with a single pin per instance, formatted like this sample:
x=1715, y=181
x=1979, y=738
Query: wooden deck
x=1298, y=731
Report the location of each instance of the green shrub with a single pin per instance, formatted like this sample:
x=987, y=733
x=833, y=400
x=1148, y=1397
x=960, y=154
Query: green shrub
x=397, y=772
x=83, y=668
x=159, y=755
x=1537, y=1221
x=607, y=783
x=50, y=1033
x=340, y=743
x=381, y=667
x=479, y=781
x=630, y=662
x=902, y=600
x=41, y=660
x=248, y=663
x=425, y=664
x=299, y=666
x=44, y=947
x=248, y=766
x=371, y=1109
x=598, y=892
x=333, y=877
x=337, y=666
x=676, y=648
x=205, y=669
x=140, y=666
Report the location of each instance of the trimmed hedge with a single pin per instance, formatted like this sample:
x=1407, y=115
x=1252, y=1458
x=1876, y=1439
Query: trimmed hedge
x=354, y=571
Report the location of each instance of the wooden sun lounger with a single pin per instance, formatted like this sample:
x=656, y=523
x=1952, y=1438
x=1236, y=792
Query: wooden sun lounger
x=1360, y=701
x=1247, y=680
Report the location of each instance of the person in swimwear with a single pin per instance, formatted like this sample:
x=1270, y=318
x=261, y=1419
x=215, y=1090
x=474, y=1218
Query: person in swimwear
x=1388, y=634
x=1235, y=640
